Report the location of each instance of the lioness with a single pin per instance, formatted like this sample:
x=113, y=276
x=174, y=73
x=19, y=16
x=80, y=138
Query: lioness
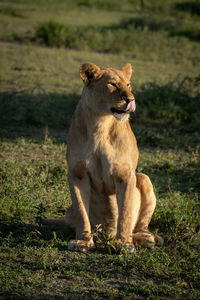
x=102, y=157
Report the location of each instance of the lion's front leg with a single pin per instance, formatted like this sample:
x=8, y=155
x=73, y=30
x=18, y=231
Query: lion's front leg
x=141, y=233
x=128, y=205
x=80, y=192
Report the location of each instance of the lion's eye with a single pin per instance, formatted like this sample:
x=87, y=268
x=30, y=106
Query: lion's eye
x=113, y=84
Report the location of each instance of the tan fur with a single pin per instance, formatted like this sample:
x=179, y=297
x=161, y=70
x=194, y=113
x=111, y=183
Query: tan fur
x=102, y=158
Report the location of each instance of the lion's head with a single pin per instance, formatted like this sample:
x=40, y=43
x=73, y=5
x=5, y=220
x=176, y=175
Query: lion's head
x=108, y=90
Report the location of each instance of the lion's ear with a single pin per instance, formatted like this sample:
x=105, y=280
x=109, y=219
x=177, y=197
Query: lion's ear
x=127, y=70
x=89, y=72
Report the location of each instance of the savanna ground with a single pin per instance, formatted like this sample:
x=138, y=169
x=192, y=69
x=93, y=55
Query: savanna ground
x=42, y=45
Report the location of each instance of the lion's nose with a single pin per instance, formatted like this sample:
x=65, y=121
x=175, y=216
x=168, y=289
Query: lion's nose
x=128, y=99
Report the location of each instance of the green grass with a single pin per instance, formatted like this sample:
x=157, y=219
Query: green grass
x=39, y=89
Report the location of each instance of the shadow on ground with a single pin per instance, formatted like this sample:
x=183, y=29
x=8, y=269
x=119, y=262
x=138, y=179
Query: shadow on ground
x=166, y=116
x=31, y=234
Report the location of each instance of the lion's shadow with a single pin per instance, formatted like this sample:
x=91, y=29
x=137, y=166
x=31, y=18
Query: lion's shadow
x=34, y=235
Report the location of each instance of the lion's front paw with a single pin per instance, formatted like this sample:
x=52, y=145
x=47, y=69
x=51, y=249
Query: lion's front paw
x=147, y=239
x=159, y=240
x=131, y=248
x=80, y=245
x=124, y=247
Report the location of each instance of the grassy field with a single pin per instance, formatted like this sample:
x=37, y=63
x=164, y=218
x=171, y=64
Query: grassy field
x=42, y=45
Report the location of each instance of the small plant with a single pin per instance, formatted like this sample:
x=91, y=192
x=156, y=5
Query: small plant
x=107, y=244
x=40, y=213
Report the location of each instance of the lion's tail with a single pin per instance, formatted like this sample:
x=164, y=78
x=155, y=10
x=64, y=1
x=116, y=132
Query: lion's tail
x=56, y=222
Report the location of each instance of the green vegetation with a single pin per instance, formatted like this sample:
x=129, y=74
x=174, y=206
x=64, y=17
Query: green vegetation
x=119, y=38
x=42, y=45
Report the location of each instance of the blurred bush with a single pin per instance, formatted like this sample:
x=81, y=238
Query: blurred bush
x=52, y=34
x=175, y=103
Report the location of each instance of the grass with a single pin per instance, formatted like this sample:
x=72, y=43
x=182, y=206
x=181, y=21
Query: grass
x=39, y=89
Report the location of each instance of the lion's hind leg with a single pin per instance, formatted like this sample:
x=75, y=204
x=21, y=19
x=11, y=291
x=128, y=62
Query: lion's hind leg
x=141, y=234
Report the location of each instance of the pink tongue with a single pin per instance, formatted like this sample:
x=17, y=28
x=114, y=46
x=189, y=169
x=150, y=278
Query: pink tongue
x=131, y=107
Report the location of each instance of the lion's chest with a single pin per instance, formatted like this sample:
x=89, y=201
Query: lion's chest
x=99, y=168
x=102, y=165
